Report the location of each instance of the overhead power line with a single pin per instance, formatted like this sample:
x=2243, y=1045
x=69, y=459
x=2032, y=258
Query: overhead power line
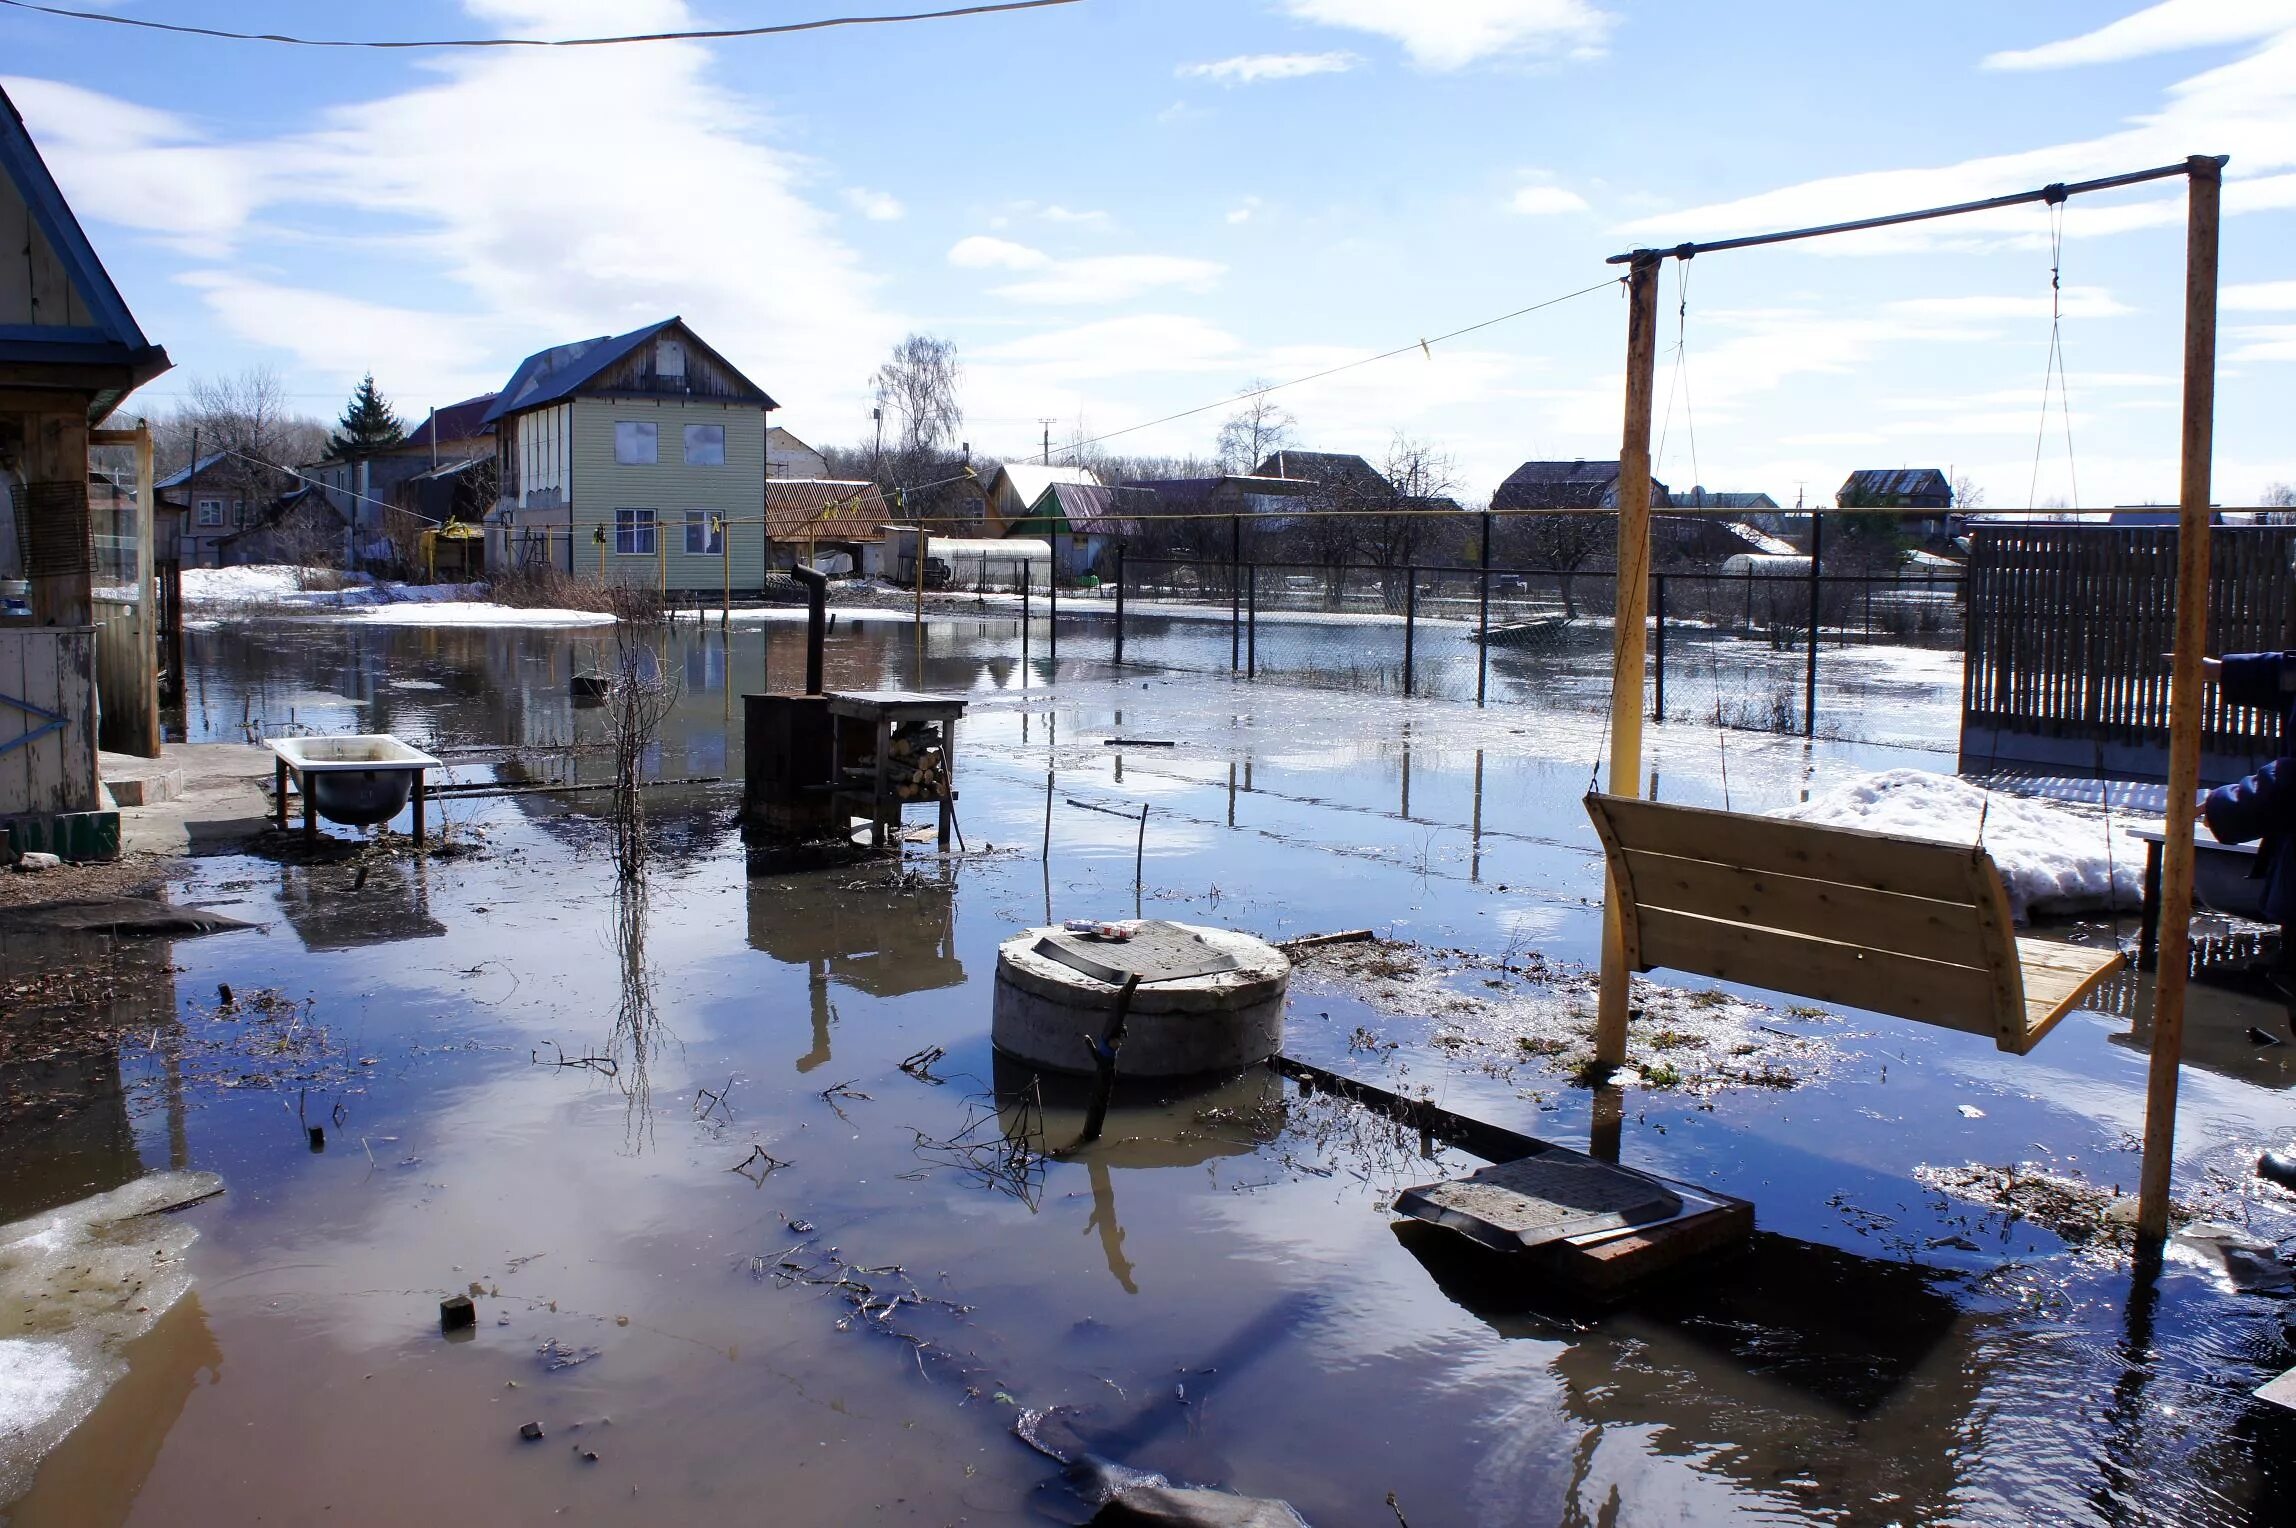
x=1424, y=346
x=714, y=34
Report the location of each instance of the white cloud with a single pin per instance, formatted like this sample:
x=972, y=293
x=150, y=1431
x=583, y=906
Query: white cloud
x=507, y=233
x=2074, y=302
x=876, y=206
x=2262, y=342
x=1059, y=214
x=1252, y=68
x=1112, y=278
x=2165, y=28
x=1098, y=278
x=344, y=336
x=1244, y=211
x=1540, y=201
x=2246, y=109
x=1451, y=34
x=982, y=253
x=2259, y=297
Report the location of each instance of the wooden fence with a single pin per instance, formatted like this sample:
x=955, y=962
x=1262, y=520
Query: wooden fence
x=2068, y=627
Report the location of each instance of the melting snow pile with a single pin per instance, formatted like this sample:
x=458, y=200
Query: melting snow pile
x=77, y=1285
x=2054, y=858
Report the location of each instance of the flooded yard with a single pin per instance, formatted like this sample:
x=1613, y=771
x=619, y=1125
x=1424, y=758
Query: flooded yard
x=755, y=1231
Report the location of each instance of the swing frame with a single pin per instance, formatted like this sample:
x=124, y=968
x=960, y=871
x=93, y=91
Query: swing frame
x=2203, y=176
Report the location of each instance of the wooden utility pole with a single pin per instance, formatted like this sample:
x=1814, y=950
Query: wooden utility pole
x=1628, y=637
x=2204, y=185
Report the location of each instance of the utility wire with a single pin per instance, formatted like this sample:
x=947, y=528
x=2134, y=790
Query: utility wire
x=716, y=34
x=1425, y=346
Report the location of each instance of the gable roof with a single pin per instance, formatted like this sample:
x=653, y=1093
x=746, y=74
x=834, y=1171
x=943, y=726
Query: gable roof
x=183, y=475
x=823, y=509
x=106, y=336
x=1029, y=480
x=553, y=375
x=1884, y=484
x=1331, y=469
x=1088, y=508
x=1576, y=484
x=457, y=421
x=1707, y=498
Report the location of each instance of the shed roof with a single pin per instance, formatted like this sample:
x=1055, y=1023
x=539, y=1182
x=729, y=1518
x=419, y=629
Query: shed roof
x=1575, y=484
x=1029, y=480
x=550, y=376
x=1089, y=509
x=183, y=475
x=109, y=341
x=1882, y=485
x=823, y=509
x=455, y=422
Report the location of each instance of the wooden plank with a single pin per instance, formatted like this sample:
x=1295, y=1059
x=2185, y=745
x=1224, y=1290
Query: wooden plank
x=16, y=763
x=1852, y=856
x=1928, y=928
x=1880, y=981
x=2056, y=977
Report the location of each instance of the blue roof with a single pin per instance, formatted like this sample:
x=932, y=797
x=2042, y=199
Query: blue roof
x=547, y=376
x=111, y=338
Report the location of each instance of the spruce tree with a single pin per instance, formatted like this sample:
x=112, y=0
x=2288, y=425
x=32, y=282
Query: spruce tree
x=367, y=425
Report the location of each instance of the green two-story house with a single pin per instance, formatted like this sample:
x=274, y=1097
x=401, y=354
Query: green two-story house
x=639, y=459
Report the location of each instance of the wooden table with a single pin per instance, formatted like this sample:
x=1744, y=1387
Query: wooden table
x=880, y=712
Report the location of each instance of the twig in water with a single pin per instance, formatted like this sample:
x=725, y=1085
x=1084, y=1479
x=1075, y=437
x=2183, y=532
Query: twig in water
x=1397, y=1510
x=919, y=1065
x=758, y=1164
x=830, y=1095
x=605, y=1065
x=1104, y=1052
x=716, y=1102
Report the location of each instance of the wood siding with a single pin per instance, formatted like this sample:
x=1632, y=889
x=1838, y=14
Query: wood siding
x=33, y=286
x=2067, y=625
x=670, y=488
x=54, y=668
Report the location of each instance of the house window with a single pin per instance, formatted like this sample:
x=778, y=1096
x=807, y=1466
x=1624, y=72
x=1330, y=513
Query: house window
x=705, y=445
x=634, y=531
x=634, y=443
x=669, y=359
x=705, y=533
x=238, y=511
x=211, y=511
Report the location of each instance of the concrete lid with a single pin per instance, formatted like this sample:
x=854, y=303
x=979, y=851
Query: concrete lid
x=1262, y=971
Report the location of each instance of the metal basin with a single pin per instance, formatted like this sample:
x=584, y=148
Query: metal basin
x=356, y=781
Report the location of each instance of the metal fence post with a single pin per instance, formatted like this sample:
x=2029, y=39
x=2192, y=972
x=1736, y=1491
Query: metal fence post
x=1052, y=616
x=1658, y=656
x=1119, y=604
x=1235, y=592
x=1810, y=675
x=1410, y=627
x=1483, y=615
x=1022, y=568
x=1252, y=620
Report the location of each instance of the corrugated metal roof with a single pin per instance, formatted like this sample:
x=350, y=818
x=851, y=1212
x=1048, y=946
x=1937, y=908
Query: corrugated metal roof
x=178, y=478
x=1089, y=509
x=1886, y=484
x=1335, y=469
x=1577, y=484
x=457, y=421
x=1029, y=480
x=823, y=509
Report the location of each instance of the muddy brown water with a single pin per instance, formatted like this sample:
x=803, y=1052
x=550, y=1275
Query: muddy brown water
x=1217, y=1290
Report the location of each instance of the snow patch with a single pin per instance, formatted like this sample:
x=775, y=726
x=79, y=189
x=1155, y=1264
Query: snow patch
x=2054, y=857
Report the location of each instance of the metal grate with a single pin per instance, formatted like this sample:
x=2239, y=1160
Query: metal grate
x=52, y=534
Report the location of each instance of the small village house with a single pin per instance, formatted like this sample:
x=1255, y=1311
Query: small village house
x=1016, y=486
x=788, y=457
x=638, y=457
x=1901, y=488
x=214, y=498
x=1081, y=523
x=70, y=354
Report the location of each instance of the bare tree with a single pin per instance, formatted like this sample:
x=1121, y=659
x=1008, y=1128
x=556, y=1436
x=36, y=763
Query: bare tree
x=920, y=385
x=1256, y=431
x=2279, y=496
x=242, y=423
x=1563, y=544
x=1421, y=480
x=1967, y=495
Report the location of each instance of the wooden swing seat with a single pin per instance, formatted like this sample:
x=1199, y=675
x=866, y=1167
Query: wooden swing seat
x=1901, y=926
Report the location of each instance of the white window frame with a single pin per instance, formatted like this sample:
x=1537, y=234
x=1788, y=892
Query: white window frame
x=636, y=533
x=633, y=435
x=712, y=526
x=210, y=512
x=702, y=432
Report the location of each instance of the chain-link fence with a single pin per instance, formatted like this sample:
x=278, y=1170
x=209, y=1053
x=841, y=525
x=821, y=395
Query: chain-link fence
x=1733, y=648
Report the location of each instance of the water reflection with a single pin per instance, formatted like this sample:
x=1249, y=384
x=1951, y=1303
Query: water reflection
x=357, y=903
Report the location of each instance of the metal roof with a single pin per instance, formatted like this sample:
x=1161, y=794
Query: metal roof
x=1088, y=508
x=457, y=421
x=112, y=337
x=823, y=509
x=1576, y=484
x=1886, y=483
x=548, y=376
x=184, y=475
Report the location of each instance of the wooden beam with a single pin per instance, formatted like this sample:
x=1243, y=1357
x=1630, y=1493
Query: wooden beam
x=2204, y=189
x=1628, y=637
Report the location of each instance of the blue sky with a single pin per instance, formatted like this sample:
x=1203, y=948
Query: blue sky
x=1124, y=208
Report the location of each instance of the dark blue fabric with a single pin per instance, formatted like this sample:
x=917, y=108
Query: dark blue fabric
x=2263, y=806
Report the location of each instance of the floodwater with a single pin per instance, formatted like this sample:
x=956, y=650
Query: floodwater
x=726, y=1243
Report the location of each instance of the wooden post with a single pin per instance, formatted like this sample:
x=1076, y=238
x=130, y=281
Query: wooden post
x=924, y=543
x=1628, y=637
x=2204, y=184
x=1120, y=604
x=1483, y=614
